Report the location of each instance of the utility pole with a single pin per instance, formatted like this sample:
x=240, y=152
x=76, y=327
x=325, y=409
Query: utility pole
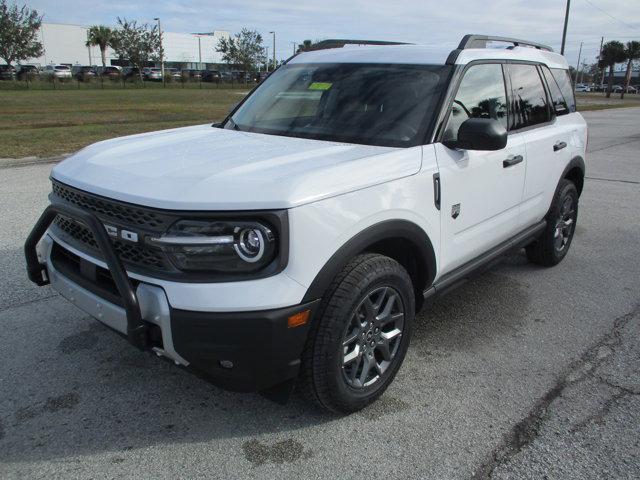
x=564, y=31
x=600, y=58
x=578, y=64
x=274, y=49
x=199, y=53
x=161, y=49
x=294, y=44
x=267, y=58
x=88, y=47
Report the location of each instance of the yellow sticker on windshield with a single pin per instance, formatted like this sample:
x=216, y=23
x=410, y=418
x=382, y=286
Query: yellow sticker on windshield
x=320, y=86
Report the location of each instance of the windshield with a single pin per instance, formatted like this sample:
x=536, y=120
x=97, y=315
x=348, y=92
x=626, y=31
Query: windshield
x=373, y=104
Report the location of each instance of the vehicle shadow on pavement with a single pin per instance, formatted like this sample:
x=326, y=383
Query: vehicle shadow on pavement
x=71, y=386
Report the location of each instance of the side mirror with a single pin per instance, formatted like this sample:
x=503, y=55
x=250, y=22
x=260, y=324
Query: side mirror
x=480, y=134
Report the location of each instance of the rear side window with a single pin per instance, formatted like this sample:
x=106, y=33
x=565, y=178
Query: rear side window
x=557, y=99
x=564, y=83
x=530, y=105
x=481, y=94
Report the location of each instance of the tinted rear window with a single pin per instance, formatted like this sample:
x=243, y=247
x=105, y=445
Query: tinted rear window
x=530, y=106
x=564, y=83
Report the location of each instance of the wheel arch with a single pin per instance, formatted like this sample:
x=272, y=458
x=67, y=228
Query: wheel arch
x=402, y=240
x=575, y=172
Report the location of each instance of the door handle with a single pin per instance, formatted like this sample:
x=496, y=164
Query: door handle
x=512, y=160
x=559, y=146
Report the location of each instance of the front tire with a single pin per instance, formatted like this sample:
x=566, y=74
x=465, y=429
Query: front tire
x=554, y=243
x=360, y=336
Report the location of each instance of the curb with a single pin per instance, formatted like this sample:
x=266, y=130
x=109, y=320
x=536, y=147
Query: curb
x=27, y=161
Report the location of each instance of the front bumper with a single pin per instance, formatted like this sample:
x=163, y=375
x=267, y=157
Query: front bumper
x=244, y=351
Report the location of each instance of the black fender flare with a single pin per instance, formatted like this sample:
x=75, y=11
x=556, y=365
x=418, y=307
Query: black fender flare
x=386, y=230
x=575, y=162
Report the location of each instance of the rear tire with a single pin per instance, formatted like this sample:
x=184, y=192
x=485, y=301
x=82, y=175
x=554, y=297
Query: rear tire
x=553, y=244
x=360, y=336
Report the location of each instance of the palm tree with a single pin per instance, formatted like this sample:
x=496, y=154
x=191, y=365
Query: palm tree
x=99, y=35
x=612, y=52
x=632, y=52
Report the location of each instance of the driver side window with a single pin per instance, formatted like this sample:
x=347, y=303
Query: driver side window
x=481, y=94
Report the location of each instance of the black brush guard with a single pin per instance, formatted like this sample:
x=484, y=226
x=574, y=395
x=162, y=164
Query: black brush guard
x=137, y=330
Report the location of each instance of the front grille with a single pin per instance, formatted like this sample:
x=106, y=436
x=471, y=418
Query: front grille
x=131, y=254
x=105, y=208
x=136, y=256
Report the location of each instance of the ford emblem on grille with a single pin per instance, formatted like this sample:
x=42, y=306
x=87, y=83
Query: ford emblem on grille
x=121, y=234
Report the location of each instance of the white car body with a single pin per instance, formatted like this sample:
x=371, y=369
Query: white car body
x=58, y=71
x=331, y=191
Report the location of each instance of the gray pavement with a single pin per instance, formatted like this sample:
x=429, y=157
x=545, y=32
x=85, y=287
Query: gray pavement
x=523, y=373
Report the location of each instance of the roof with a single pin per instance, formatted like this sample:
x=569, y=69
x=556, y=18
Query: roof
x=427, y=54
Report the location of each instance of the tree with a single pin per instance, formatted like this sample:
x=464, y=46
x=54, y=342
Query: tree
x=244, y=48
x=305, y=46
x=139, y=44
x=18, y=32
x=612, y=52
x=103, y=37
x=632, y=52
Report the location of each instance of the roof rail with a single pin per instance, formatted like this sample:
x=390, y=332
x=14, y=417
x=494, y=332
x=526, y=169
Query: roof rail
x=480, y=41
x=339, y=43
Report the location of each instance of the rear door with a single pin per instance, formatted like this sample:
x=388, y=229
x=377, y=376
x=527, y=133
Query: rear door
x=547, y=139
x=480, y=192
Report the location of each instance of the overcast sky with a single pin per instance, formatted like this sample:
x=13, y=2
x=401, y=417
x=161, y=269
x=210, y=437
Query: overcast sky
x=440, y=23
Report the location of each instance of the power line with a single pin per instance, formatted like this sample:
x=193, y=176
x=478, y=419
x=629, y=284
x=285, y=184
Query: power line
x=609, y=15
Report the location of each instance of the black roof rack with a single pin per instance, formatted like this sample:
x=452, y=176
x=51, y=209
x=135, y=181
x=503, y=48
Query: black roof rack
x=339, y=43
x=480, y=41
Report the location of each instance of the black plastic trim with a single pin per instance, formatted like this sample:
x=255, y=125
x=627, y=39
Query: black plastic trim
x=258, y=348
x=461, y=274
x=136, y=328
x=381, y=231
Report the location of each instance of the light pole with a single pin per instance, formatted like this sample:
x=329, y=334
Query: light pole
x=161, y=49
x=267, y=56
x=274, y=49
x=294, y=44
x=578, y=64
x=564, y=31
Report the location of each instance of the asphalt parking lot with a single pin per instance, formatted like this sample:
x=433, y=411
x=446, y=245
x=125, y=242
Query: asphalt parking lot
x=522, y=373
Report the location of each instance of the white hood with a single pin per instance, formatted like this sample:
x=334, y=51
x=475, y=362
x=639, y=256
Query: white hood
x=205, y=168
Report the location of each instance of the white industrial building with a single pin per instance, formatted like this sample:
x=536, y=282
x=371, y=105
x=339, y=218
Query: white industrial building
x=66, y=44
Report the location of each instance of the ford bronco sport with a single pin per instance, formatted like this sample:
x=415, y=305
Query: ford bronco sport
x=293, y=243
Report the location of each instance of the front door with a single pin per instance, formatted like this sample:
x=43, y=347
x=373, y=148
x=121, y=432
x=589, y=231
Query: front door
x=481, y=191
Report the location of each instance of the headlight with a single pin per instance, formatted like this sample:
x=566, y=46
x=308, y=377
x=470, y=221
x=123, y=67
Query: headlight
x=219, y=246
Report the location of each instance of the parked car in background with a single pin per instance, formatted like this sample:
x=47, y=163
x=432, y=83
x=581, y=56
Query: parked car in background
x=226, y=76
x=131, y=73
x=580, y=87
x=83, y=72
x=27, y=72
x=111, y=72
x=154, y=74
x=261, y=76
x=620, y=88
x=61, y=72
x=7, y=72
x=213, y=76
x=191, y=74
x=174, y=73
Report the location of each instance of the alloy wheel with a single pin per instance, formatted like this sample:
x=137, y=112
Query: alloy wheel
x=372, y=337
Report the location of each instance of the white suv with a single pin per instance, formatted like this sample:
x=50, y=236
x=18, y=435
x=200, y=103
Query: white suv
x=293, y=243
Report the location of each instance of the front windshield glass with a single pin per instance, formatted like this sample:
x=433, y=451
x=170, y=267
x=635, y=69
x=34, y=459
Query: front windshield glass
x=372, y=104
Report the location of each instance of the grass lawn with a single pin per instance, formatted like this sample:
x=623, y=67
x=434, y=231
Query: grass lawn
x=45, y=123
x=599, y=101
